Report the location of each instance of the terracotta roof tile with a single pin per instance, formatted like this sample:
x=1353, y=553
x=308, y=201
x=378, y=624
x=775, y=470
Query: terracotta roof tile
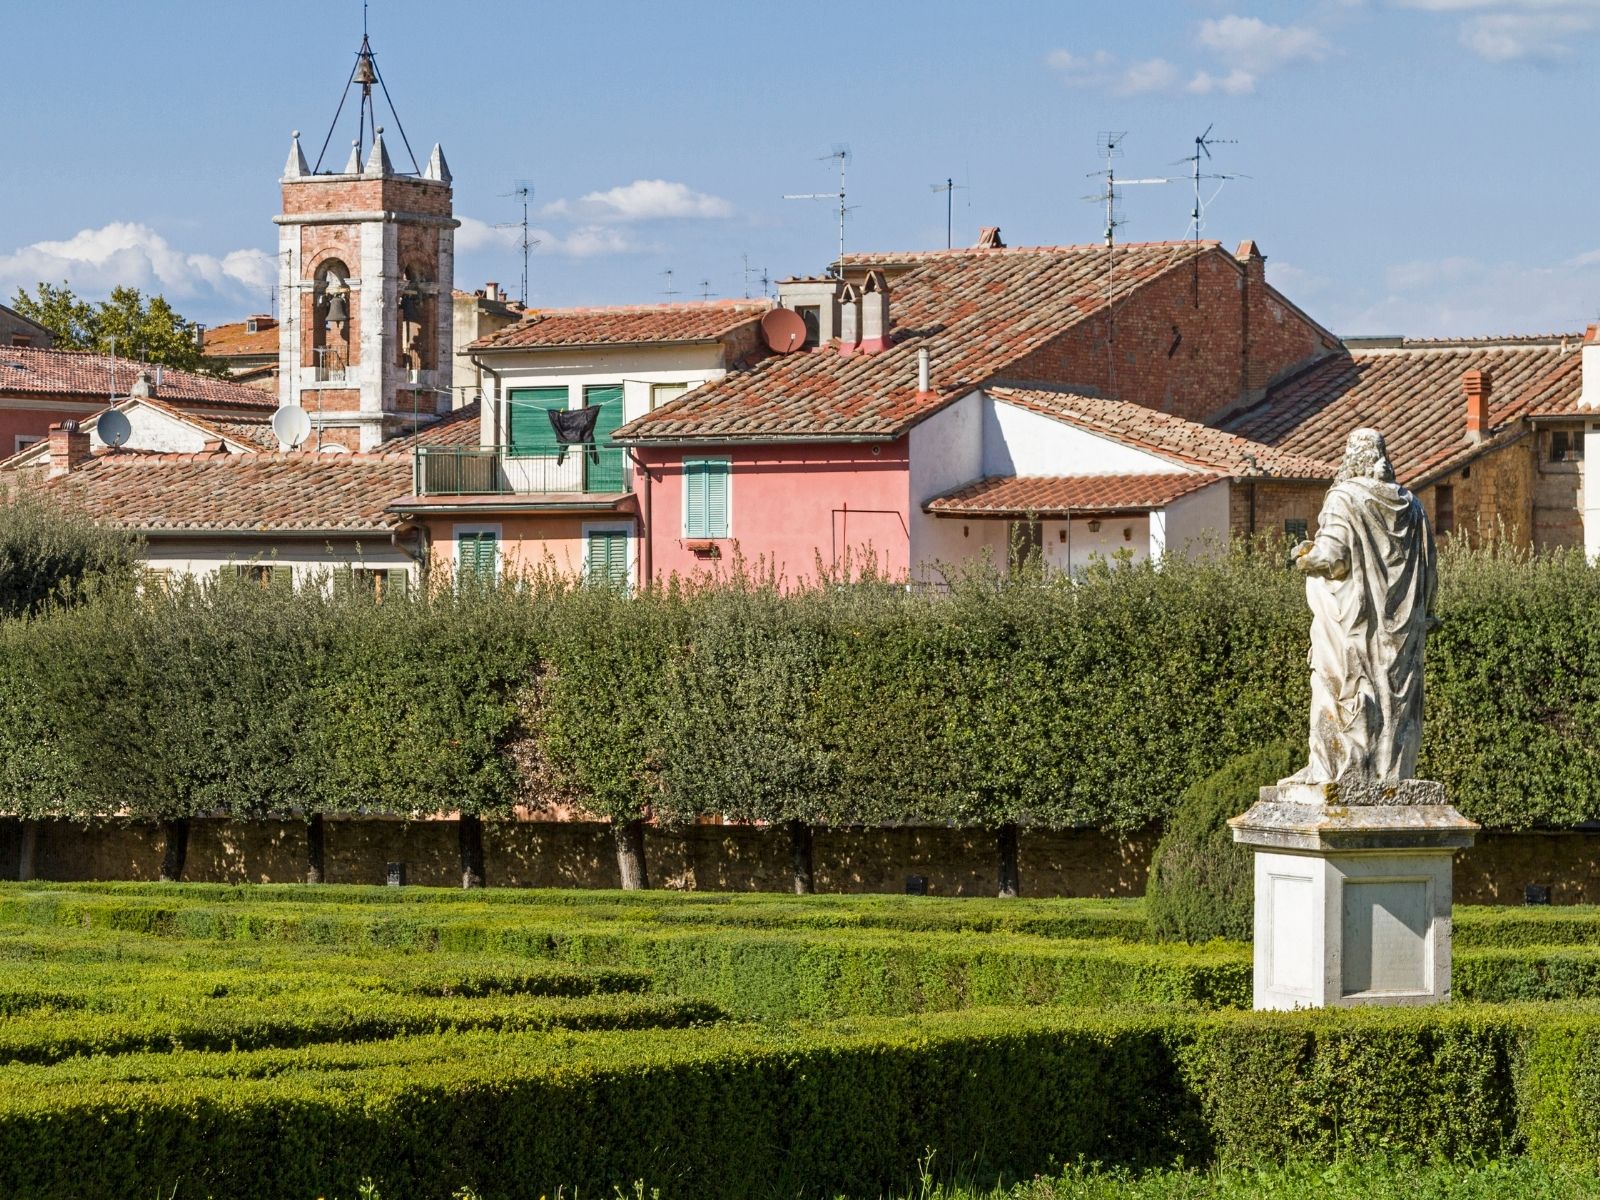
x=234, y=340
x=25, y=371
x=460, y=427
x=975, y=311
x=1058, y=495
x=625, y=325
x=1412, y=394
x=240, y=493
x=1165, y=434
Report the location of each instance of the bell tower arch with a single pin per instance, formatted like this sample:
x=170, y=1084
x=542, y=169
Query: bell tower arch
x=366, y=264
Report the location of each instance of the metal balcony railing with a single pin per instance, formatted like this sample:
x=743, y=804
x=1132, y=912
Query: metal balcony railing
x=512, y=471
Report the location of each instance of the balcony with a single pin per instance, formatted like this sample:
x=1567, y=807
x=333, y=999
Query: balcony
x=508, y=471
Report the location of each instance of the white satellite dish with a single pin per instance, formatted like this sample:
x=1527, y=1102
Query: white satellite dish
x=114, y=428
x=292, y=425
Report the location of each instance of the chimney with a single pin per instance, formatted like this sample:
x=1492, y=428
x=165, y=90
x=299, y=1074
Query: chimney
x=1589, y=397
x=989, y=238
x=849, y=320
x=817, y=300
x=69, y=446
x=924, y=372
x=874, y=313
x=491, y=290
x=142, y=386
x=1478, y=386
x=1253, y=367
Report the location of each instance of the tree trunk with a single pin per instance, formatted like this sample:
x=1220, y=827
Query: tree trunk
x=28, y=851
x=316, y=849
x=1010, y=875
x=629, y=837
x=176, y=849
x=800, y=857
x=471, y=829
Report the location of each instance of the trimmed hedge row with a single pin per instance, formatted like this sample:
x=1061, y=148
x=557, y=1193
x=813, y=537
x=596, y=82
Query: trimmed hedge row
x=739, y=1112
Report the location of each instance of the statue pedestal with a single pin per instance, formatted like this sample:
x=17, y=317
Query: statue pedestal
x=1352, y=892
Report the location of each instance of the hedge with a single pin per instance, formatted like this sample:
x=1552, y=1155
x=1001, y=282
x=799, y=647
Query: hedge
x=1023, y=701
x=746, y=1111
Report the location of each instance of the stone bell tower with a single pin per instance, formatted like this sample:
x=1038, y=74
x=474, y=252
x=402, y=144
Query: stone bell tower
x=366, y=263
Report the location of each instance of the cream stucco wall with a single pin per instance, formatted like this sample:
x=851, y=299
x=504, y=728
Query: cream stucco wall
x=307, y=557
x=1184, y=526
x=1018, y=441
x=946, y=451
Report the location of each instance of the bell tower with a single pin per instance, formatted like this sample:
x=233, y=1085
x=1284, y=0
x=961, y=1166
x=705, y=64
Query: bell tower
x=366, y=263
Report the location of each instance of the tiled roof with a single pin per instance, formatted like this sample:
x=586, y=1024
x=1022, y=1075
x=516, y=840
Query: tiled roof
x=975, y=311
x=25, y=371
x=1057, y=495
x=240, y=493
x=459, y=427
x=1162, y=433
x=628, y=325
x=1413, y=395
x=235, y=340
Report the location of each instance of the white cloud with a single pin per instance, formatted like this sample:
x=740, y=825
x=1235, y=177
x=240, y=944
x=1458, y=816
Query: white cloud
x=1251, y=44
x=1152, y=75
x=642, y=200
x=1459, y=297
x=124, y=253
x=1517, y=30
x=1237, y=82
x=1104, y=72
x=585, y=241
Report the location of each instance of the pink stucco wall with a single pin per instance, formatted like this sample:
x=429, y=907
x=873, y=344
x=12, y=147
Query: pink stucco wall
x=788, y=506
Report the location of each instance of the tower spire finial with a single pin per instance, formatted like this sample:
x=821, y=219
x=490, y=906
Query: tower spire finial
x=364, y=74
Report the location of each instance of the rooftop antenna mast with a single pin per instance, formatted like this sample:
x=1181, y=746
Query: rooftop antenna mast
x=669, y=291
x=949, y=187
x=840, y=154
x=524, y=192
x=1202, y=153
x=1111, y=150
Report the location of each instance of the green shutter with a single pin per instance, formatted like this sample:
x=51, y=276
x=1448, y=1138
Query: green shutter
x=529, y=420
x=397, y=582
x=606, y=474
x=280, y=579
x=477, y=557
x=706, y=498
x=606, y=558
x=343, y=582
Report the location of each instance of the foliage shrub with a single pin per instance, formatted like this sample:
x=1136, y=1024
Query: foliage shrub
x=1201, y=883
x=51, y=552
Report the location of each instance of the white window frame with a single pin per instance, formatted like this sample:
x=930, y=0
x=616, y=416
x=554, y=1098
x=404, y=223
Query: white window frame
x=23, y=440
x=626, y=527
x=500, y=547
x=683, y=497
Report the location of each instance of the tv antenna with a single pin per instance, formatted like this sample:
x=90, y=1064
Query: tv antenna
x=949, y=187
x=669, y=291
x=705, y=289
x=1202, y=153
x=1111, y=150
x=749, y=271
x=524, y=192
x=840, y=154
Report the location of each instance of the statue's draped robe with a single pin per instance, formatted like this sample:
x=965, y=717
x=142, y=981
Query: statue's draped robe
x=1367, y=632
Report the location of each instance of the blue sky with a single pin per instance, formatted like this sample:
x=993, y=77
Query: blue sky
x=1414, y=166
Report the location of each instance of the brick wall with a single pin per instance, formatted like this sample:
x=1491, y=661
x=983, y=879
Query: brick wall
x=1492, y=496
x=313, y=196
x=1264, y=507
x=1178, y=344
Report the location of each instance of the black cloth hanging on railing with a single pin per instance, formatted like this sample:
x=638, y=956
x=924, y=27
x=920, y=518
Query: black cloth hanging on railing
x=574, y=427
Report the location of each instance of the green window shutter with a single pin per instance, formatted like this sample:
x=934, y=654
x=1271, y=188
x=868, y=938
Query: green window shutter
x=529, y=420
x=706, y=497
x=398, y=581
x=281, y=579
x=606, y=558
x=343, y=582
x=477, y=557
x=604, y=475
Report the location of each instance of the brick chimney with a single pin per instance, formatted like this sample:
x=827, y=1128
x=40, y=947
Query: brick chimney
x=1478, y=386
x=989, y=238
x=849, y=320
x=874, y=313
x=1254, y=367
x=69, y=446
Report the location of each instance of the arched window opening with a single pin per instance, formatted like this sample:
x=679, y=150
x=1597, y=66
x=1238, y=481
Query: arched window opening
x=330, y=321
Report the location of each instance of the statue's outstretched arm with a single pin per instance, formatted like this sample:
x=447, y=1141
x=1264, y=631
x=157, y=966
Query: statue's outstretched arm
x=1322, y=557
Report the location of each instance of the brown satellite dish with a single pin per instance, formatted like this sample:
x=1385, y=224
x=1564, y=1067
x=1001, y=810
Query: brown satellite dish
x=784, y=329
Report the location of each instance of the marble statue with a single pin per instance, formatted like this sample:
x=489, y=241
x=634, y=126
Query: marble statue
x=1370, y=582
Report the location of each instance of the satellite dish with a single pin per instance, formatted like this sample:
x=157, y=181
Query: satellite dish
x=292, y=425
x=114, y=428
x=784, y=330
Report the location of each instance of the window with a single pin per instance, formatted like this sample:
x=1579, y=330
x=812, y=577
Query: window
x=528, y=420
x=1566, y=445
x=602, y=471
x=811, y=314
x=377, y=584
x=1444, y=508
x=266, y=576
x=1026, y=542
x=606, y=557
x=1296, y=529
x=477, y=556
x=21, y=340
x=665, y=393
x=23, y=440
x=705, y=497
x=155, y=581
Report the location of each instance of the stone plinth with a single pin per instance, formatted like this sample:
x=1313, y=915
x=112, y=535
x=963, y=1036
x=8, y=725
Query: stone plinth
x=1352, y=892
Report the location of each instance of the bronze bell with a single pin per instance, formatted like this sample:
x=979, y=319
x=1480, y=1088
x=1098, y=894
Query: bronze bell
x=338, y=309
x=366, y=73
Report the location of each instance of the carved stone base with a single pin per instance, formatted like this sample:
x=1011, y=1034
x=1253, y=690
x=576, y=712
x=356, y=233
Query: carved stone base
x=1352, y=892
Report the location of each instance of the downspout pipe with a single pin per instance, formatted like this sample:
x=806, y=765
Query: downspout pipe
x=494, y=375
x=646, y=536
